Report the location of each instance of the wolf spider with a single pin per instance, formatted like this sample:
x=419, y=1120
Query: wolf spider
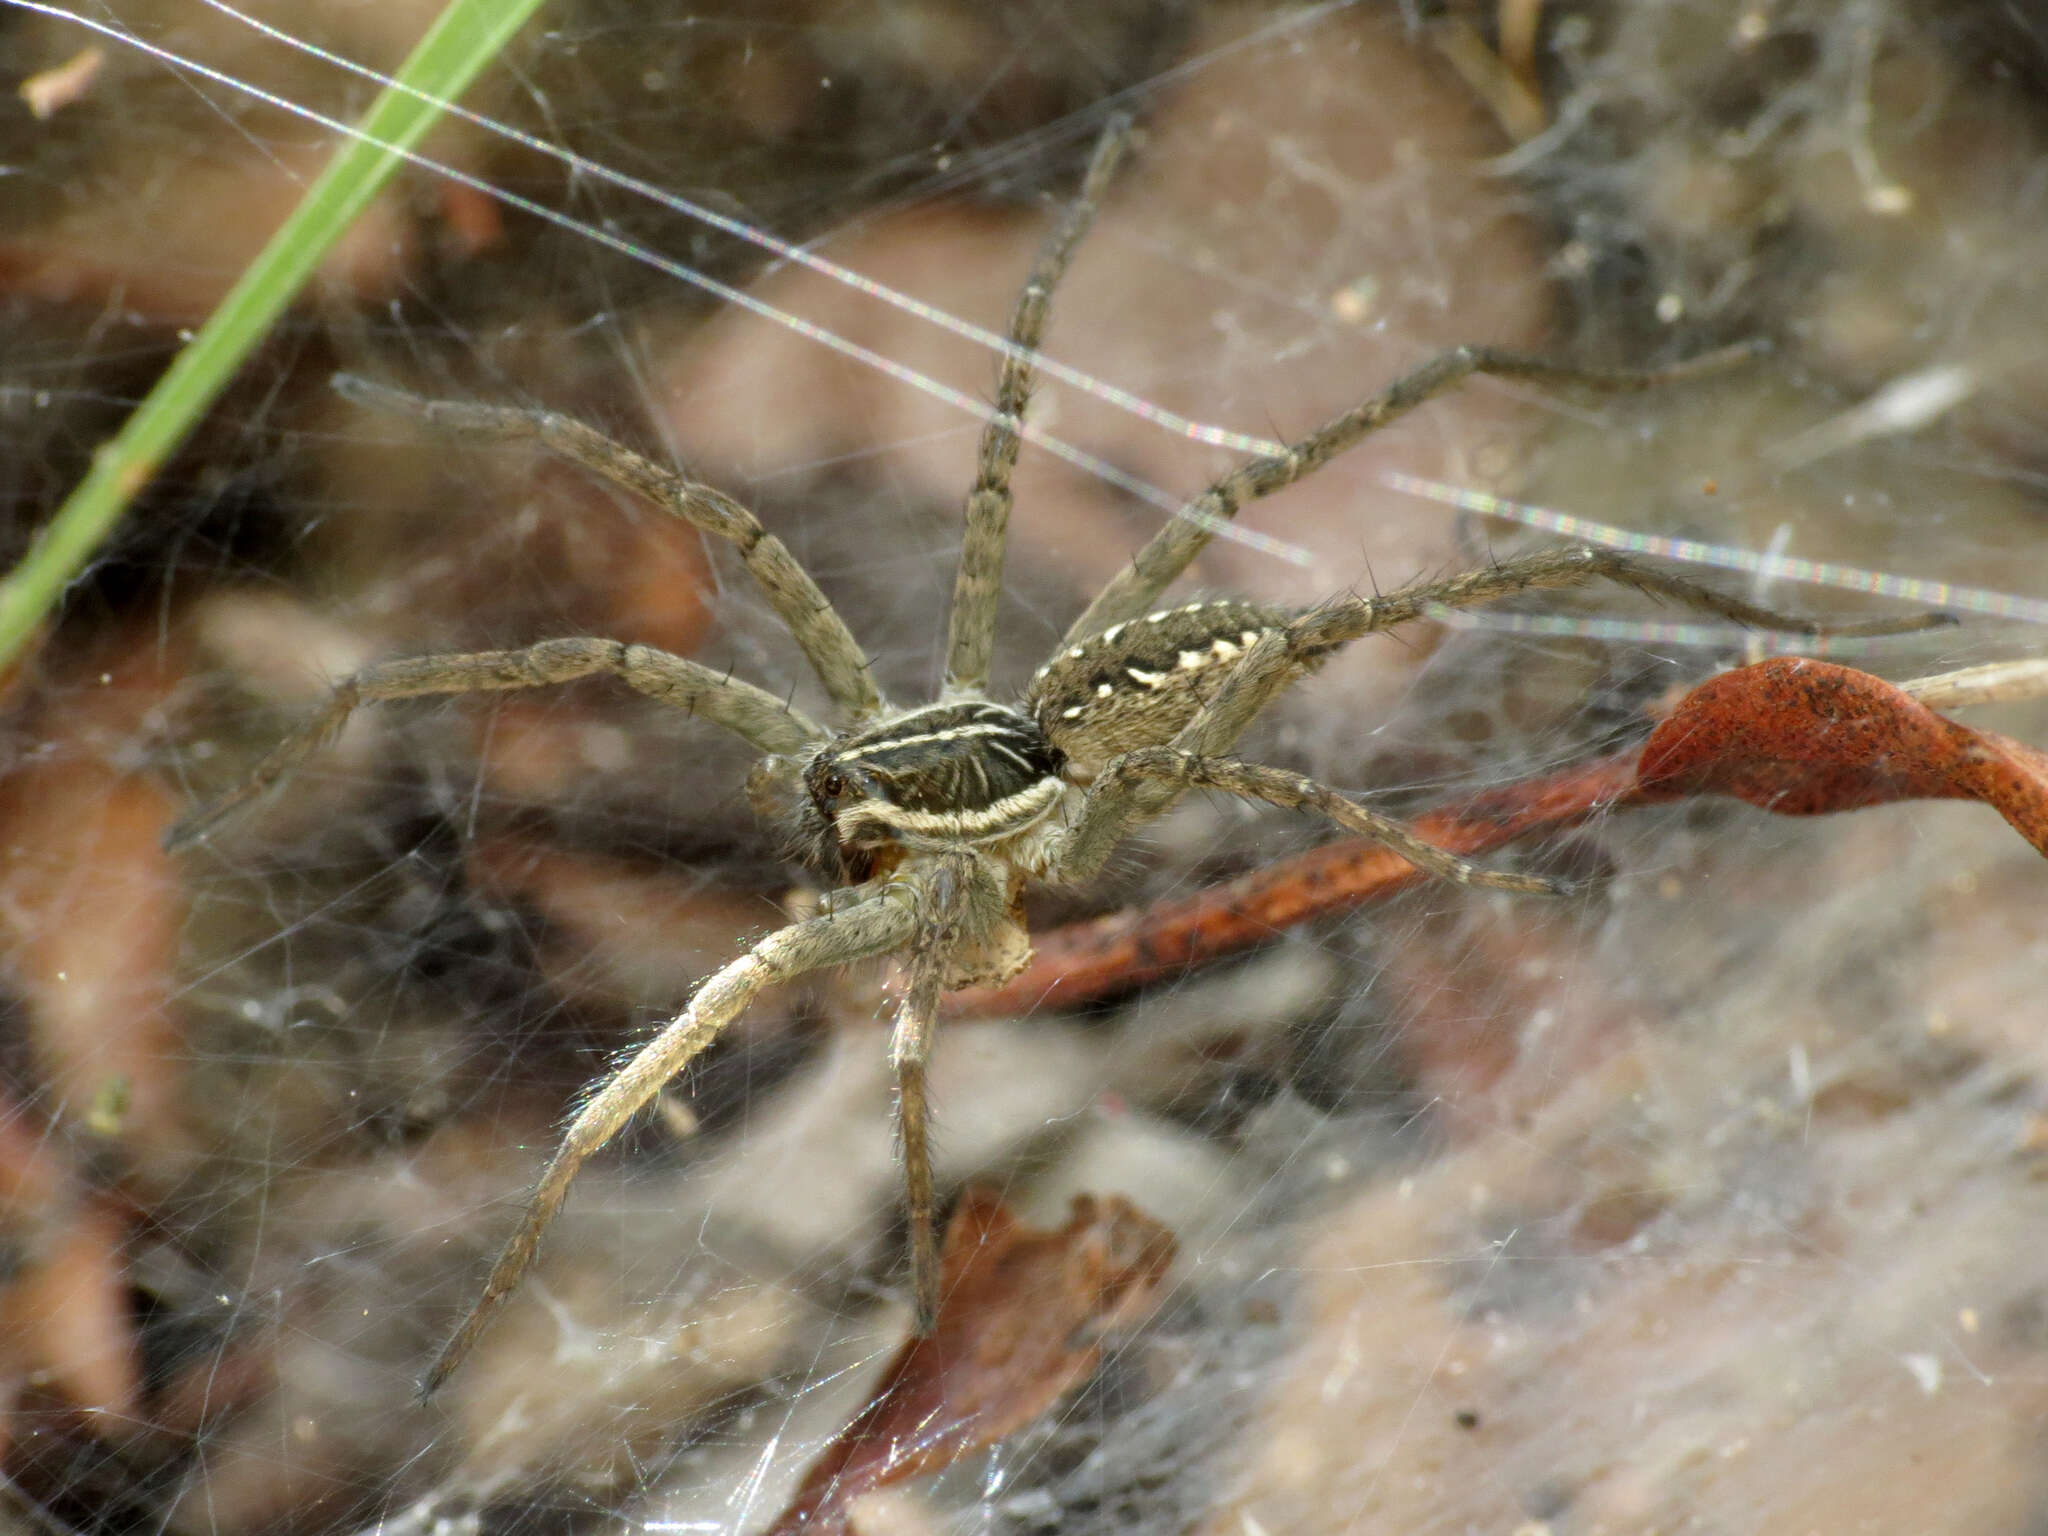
x=930, y=817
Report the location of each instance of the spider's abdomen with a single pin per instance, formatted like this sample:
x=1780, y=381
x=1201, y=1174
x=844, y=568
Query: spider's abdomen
x=948, y=773
x=1137, y=683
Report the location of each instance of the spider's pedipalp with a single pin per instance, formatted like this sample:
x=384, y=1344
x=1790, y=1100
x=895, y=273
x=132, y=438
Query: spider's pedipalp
x=829, y=646
x=885, y=921
x=970, y=635
x=753, y=714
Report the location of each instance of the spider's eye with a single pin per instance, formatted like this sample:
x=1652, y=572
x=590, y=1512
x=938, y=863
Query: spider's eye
x=832, y=786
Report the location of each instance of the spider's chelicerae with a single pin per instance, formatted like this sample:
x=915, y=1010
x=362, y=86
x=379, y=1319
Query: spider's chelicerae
x=930, y=817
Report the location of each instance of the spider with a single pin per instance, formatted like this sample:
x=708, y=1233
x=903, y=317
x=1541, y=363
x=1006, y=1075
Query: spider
x=931, y=817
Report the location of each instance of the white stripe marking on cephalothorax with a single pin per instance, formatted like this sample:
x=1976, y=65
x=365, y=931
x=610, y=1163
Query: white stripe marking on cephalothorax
x=1020, y=809
x=952, y=733
x=1011, y=753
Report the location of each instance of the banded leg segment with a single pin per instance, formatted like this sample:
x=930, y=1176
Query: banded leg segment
x=885, y=921
x=751, y=713
x=970, y=638
x=1136, y=589
x=827, y=643
x=1271, y=666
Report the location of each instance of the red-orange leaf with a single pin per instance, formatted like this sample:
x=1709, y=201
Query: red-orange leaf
x=1804, y=738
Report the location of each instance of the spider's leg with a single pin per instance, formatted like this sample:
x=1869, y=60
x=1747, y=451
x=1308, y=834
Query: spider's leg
x=749, y=712
x=1181, y=770
x=884, y=922
x=970, y=637
x=910, y=1052
x=1338, y=623
x=958, y=895
x=1136, y=589
x=1278, y=659
x=827, y=643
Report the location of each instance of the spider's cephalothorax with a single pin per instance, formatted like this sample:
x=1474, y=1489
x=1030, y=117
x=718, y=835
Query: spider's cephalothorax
x=971, y=773
x=934, y=816
x=988, y=776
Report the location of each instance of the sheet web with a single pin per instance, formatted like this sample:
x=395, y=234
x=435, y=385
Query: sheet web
x=1706, y=1194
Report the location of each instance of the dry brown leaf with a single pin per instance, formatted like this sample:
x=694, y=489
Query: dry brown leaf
x=1023, y=1321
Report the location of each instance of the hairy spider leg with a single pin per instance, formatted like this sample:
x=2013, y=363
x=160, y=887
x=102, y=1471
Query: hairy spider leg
x=835, y=656
x=751, y=713
x=1167, y=554
x=884, y=921
x=963, y=894
x=977, y=585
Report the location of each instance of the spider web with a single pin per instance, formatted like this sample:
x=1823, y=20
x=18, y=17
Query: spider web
x=1708, y=1196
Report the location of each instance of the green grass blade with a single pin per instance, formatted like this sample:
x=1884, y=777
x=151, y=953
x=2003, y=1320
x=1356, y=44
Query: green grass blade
x=467, y=36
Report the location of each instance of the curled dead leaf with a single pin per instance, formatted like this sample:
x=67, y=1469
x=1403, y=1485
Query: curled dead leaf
x=1800, y=737
x=1023, y=1322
